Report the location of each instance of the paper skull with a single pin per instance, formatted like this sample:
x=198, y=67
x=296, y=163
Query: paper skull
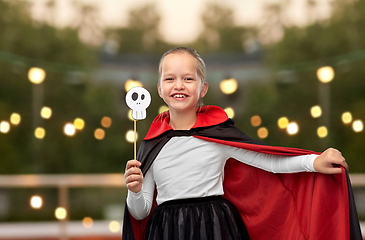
x=138, y=99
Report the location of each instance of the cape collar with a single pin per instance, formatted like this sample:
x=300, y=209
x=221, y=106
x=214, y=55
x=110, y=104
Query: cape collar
x=207, y=116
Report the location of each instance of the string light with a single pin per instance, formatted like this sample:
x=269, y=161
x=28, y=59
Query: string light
x=130, y=83
x=106, y=122
x=60, y=213
x=114, y=226
x=36, y=75
x=325, y=74
x=228, y=86
x=256, y=121
x=292, y=128
x=69, y=129
x=230, y=112
x=346, y=117
x=162, y=109
x=87, y=222
x=129, y=136
x=322, y=132
x=316, y=111
x=15, y=119
x=36, y=202
x=4, y=127
x=358, y=126
x=262, y=132
x=40, y=133
x=99, y=134
x=46, y=112
x=283, y=122
x=79, y=123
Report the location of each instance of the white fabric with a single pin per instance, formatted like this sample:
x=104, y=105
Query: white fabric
x=188, y=167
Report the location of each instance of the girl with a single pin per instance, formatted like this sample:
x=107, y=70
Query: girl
x=184, y=160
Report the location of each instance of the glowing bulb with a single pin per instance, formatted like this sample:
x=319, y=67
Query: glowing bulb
x=87, y=222
x=130, y=83
x=346, y=117
x=40, y=133
x=358, y=126
x=36, y=202
x=230, y=112
x=114, y=226
x=325, y=74
x=162, y=109
x=283, y=122
x=15, y=119
x=46, y=112
x=292, y=128
x=256, y=121
x=61, y=213
x=322, y=132
x=69, y=129
x=262, y=132
x=228, y=86
x=99, y=134
x=316, y=111
x=4, y=127
x=36, y=75
x=79, y=123
x=129, y=136
x=106, y=122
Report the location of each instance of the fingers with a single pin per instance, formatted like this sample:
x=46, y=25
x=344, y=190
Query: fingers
x=132, y=163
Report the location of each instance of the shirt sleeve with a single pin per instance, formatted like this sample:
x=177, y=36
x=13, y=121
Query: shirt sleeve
x=270, y=162
x=140, y=204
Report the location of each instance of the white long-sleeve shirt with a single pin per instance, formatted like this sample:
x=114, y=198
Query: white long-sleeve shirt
x=188, y=167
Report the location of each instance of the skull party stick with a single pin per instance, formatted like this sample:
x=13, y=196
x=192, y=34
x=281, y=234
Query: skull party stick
x=138, y=99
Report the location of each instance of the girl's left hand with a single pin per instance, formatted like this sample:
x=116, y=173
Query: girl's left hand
x=329, y=162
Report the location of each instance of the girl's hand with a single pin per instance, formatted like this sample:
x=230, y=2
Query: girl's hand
x=329, y=162
x=133, y=176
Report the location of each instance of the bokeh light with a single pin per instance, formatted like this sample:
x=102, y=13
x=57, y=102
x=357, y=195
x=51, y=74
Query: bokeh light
x=36, y=202
x=36, y=75
x=262, y=132
x=292, y=128
x=99, y=134
x=346, y=117
x=87, y=222
x=256, y=121
x=325, y=74
x=130, y=83
x=106, y=122
x=358, y=126
x=69, y=129
x=15, y=119
x=130, y=115
x=79, y=123
x=316, y=111
x=322, y=132
x=283, y=122
x=40, y=133
x=228, y=86
x=114, y=226
x=4, y=127
x=162, y=109
x=60, y=213
x=129, y=136
x=46, y=112
x=230, y=112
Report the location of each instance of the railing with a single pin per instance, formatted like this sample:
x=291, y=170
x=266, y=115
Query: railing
x=65, y=181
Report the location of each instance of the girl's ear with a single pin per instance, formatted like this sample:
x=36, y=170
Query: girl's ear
x=204, y=89
x=159, y=89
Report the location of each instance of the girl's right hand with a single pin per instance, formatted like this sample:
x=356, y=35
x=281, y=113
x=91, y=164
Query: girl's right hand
x=133, y=176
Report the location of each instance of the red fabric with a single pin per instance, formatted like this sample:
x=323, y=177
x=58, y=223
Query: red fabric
x=274, y=206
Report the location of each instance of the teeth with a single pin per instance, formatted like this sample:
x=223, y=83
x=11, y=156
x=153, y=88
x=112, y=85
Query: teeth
x=179, y=95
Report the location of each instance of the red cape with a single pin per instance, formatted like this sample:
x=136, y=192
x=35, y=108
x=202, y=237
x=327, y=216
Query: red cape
x=272, y=206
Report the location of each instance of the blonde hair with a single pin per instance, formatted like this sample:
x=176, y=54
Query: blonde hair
x=200, y=66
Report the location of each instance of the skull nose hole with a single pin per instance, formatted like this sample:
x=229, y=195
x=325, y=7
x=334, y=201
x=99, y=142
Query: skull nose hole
x=134, y=96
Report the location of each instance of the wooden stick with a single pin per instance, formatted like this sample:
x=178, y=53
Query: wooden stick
x=135, y=139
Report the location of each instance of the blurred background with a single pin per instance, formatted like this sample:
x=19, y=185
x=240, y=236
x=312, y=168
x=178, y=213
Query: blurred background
x=289, y=72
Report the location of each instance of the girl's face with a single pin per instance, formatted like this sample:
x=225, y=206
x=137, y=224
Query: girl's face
x=180, y=85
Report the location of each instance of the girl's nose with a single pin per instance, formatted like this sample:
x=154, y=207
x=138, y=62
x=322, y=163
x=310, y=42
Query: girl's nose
x=179, y=84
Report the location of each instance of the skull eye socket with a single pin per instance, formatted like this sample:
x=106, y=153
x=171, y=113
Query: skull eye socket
x=142, y=97
x=134, y=96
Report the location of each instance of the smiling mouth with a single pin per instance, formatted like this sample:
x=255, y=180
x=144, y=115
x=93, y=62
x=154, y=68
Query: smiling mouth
x=179, y=95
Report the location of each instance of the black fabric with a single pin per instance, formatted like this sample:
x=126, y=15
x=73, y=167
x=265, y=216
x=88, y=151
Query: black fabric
x=209, y=218
x=355, y=230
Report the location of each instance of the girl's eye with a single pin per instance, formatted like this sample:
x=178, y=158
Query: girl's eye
x=169, y=79
x=189, y=79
